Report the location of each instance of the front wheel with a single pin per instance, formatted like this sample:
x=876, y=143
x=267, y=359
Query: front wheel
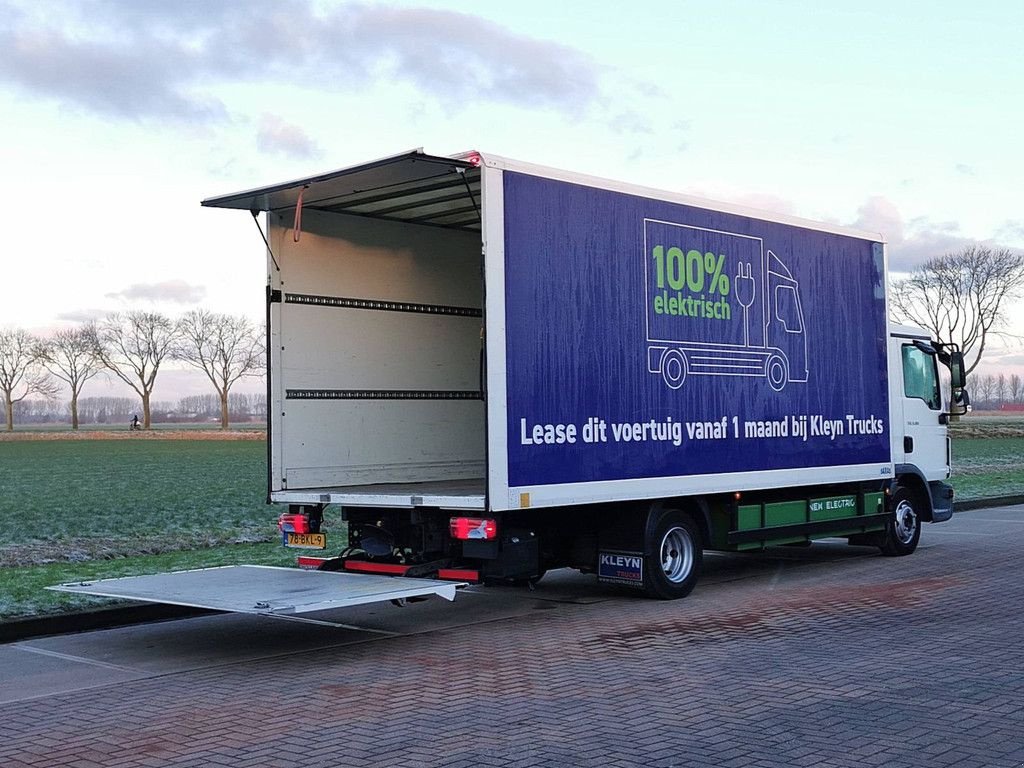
x=674, y=556
x=903, y=529
x=777, y=372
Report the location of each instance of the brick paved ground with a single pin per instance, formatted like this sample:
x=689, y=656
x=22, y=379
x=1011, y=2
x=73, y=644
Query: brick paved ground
x=871, y=661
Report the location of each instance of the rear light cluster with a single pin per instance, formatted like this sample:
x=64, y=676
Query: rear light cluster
x=465, y=528
x=289, y=523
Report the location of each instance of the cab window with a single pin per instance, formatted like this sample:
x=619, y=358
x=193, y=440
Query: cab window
x=920, y=376
x=787, y=308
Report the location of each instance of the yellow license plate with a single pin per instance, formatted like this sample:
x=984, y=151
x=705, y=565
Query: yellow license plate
x=306, y=540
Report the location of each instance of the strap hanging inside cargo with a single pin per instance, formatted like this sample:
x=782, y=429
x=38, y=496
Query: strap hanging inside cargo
x=297, y=225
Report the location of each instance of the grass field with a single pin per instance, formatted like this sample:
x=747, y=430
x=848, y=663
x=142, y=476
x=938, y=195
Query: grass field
x=131, y=497
x=81, y=509
x=988, y=467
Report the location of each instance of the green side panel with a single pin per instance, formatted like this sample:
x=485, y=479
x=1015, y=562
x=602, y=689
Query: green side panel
x=795, y=513
x=833, y=508
x=874, y=503
x=749, y=517
x=785, y=513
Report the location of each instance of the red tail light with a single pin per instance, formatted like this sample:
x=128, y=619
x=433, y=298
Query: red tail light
x=473, y=528
x=288, y=523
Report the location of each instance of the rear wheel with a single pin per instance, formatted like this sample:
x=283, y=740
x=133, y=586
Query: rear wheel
x=674, y=555
x=903, y=529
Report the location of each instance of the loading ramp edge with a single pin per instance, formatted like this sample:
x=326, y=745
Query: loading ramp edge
x=263, y=590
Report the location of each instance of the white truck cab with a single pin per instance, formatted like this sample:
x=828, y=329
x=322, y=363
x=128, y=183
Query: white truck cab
x=921, y=450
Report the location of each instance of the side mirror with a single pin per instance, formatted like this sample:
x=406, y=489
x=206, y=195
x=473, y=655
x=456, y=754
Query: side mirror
x=962, y=401
x=957, y=374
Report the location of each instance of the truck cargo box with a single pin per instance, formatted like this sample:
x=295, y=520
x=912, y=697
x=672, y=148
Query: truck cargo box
x=476, y=333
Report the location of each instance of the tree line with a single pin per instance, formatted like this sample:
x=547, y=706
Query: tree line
x=131, y=346
x=990, y=391
x=242, y=407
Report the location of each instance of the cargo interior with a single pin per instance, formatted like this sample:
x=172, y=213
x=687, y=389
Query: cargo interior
x=375, y=337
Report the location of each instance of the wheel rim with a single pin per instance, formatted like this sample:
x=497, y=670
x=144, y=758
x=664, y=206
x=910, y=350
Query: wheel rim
x=677, y=555
x=776, y=373
x=673, y=368
x=905, y=523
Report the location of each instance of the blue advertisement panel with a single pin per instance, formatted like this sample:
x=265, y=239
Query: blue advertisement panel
x=651, y=339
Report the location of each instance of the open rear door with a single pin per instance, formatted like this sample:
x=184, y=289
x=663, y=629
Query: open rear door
x=263, y=590
x=375, y=316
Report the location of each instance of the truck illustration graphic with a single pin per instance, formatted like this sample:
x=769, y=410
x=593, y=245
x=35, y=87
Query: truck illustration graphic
x=720, y=304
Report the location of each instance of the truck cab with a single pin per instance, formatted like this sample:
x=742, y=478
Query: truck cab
x=920, y=443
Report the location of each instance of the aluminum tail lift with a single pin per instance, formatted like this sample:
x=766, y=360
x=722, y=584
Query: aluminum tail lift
x=281, y=593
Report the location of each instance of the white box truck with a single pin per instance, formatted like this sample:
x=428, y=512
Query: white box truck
x=490, y=369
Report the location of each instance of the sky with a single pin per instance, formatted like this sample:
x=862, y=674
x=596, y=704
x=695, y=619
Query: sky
x=119, y=116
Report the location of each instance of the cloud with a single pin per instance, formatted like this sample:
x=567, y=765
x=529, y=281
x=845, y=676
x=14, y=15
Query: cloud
x=82, y=315
x=631, y=122
x=964, y=169
x=1011, y=230
x=460, y=55
x=277, y=136
x=914, y=242
x=154, y=60
x=995, y=358
x=174, y=291
x=145, y=76
x=879, y=214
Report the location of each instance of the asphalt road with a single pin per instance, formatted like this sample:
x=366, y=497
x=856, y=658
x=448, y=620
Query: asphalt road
x=825, y=656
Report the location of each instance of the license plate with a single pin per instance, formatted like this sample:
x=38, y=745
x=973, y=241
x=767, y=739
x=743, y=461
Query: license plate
x=306, y=540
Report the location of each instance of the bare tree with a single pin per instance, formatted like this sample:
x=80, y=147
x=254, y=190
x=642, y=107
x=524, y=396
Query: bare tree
x=962, y=297
x=224, y=347
x=984, y=388
x=1001, y=388
x=1015, y=392
x=133, y=345
x=70, y=356
x=20, y=372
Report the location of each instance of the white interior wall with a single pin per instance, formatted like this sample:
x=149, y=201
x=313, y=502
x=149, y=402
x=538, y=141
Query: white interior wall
x=321, y=443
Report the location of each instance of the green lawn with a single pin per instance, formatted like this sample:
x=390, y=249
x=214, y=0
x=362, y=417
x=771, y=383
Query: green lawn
x=990, y=466
x=85, y=509
x=132, y=497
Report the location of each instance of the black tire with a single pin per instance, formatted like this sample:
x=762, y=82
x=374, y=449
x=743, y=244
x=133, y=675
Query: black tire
x=903, y=528
x=674, y=549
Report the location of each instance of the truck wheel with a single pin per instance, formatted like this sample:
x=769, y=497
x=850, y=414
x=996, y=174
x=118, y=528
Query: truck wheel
x=777, y=372
x=903, y=529
x=675, y=554
x=673, y=368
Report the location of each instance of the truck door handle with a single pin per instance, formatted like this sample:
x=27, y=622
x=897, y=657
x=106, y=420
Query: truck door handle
x=908, y=445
